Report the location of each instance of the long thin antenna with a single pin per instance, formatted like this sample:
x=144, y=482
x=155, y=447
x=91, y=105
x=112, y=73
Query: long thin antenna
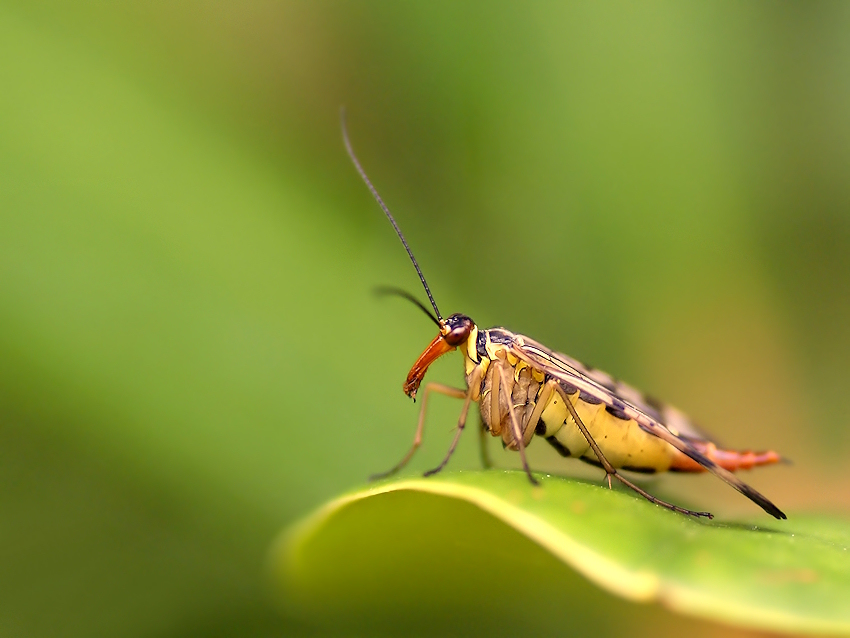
x=398, y=292
x=385, y=209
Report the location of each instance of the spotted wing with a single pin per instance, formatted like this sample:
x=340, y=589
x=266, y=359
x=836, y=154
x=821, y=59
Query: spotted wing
x=675, y=430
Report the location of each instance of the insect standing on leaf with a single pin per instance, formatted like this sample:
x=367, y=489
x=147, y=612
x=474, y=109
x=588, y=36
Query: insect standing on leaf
x=524, y=390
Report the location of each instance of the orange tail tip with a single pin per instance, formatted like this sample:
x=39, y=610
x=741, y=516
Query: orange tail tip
x=727, y=459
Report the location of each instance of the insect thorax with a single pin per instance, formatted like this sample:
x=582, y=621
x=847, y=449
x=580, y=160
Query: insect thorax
x=520, y=384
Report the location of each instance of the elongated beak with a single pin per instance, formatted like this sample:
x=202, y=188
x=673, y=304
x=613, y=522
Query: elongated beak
x=436, y=349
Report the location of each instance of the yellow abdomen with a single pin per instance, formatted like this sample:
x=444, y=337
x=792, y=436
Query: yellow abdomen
x=621, y=440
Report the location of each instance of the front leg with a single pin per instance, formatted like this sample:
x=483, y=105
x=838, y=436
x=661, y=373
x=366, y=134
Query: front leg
x=474, y=382
x=417, y=439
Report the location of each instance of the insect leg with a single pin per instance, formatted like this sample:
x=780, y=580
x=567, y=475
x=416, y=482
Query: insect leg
x=610, y=471
x=474, y=381
x=482, y=439
x=724, y=474
x=517, y=431
x=495, y=412
x=542, y=402
x=417, y=439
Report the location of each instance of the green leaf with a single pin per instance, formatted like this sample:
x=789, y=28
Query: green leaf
x=466, y=547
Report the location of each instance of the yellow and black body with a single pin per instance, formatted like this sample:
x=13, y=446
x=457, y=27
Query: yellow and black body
x=524, y=390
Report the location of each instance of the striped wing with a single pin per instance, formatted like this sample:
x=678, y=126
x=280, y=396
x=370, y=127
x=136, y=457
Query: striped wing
x=664, y=422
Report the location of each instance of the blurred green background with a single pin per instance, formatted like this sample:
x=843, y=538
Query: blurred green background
x=190, y=353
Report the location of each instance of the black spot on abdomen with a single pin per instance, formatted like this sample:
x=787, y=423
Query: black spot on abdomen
x=589, y=398
x=590, y=461
x=642, y=470
x=567, y=388
x=560, y=447
x=616, y=412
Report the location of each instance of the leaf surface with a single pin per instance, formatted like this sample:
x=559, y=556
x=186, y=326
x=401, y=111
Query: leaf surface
x=356, y=556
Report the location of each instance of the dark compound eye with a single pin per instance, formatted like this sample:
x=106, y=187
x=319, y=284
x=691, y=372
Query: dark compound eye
x=459, y=327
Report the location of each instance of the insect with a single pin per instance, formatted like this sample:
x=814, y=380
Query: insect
x=524, y=390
